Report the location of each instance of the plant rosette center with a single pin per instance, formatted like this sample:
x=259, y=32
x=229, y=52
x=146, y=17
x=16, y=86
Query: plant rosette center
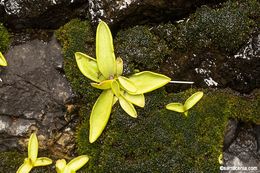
x=106, y=72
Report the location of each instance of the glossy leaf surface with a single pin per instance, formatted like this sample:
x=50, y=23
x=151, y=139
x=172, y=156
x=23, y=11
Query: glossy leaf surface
x=42, y=161
x=88, y=66
x=25, y=167
x=127, y=107
x=2, y=60
x=100, y=114
x=106, y=84
x=177, y=107
x=60, y=165
x=78, y=162
x=105, y=51
x=33, y=147
x=147, y=81
x=192, y=100
x=137, y=100
x=119, y=66
x=127, y=84
x=115, y=88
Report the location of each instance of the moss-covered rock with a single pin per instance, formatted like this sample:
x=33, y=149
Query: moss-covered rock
x=226, y=28
x=140, y=48
x=11, y=161
x=77, y=36
x=160, y=140
x=4, y=38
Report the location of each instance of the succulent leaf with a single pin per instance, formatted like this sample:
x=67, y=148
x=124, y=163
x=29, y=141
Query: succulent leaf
x=192, y=100
x=177, y=107
x=2, y=60
x=127, y=107
x=106, y=84
x=147, y=81
x=60, y=165
x=88, y=66
x=127, y=84
x=119, y=67
x=76, y=163
x=42, y=161
x=100, y=114
x=33, y=147
x=137, y=100
x=105, y=51
x=25, y=167
x=115, y=88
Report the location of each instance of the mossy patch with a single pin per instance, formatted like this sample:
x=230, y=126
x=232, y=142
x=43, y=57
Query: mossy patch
x=77, y=36
x=140, y=48
x=11, y=161
x=4, y=38
x=226, y=28
x=160, y=140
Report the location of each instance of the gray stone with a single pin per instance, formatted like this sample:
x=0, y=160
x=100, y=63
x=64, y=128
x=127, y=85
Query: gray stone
x=33, y=92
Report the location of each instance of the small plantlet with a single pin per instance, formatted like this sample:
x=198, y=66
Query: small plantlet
x=72, y=166
x=32, y=160
x=106, y=72
x=189, y=103
x=2, y=60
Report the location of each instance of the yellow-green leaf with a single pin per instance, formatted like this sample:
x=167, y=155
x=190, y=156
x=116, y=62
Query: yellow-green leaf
x=115, y=88
x=115, y=100
x=60, y=165
x=186, y=113
x=42, y=161
x=76, y=163
x=192, y=100
x=147, y=81
x=105, y=51
x=137, y=100
x=25, y=167
x=119, y=66
x=2, y=60
x=127, y=84
x=106, y=84
x=177, y=107
x=100, y=114
x=127, y=107
x=88, y=66
x=33, y=147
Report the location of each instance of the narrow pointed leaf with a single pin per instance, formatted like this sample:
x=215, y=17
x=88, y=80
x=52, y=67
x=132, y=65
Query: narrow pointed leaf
x=42, y=161
x=33, y=147
x=127, y=107
x=115, y=88
x=78, y=162
x=119, y=66
x=25, y=168
x=102, y=85
x=192, y=100
x=60, y=165
x=177, y=107
x=2, y=60
x=137, y=100
x=100, y=114
x=105, y=51
x=186, y=113
x=88, y=66
x=127, y=84
x=147, y=81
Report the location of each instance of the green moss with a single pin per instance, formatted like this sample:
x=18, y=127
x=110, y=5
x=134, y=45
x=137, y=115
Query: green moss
x=76, y=36
x=4, y=38
x=226, y=28
x=140, y=48
x=160, y=140
x=11, y=161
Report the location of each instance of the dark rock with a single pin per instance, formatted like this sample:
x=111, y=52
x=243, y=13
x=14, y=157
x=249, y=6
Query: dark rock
x=41, y=14
x=230, y=133
x=132, y=12
x=242, y=153
x=33, y=92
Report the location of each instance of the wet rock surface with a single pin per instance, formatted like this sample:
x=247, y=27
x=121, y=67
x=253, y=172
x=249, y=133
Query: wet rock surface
x=243, y=151
x=40, y=14
x=33, y=93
